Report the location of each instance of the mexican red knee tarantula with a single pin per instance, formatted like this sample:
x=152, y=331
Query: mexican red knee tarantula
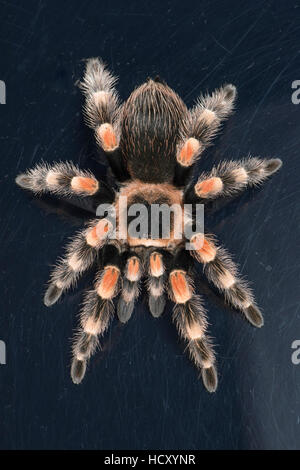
x=151, y=142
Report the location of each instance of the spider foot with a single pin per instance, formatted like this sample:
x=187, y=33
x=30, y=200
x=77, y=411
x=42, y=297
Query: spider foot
x=78, y=370
x=254, y=316
x=210, y=379
x=52, y=294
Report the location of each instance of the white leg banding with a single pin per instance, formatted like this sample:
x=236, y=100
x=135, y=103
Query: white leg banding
x=92, y=326
x=52, y=178
x=101, y=98
x=206, y=364
x=226, y=279
x=156, y=290
x=240, y=175
x=194, y=331
x=208, y=116
x=75, y=263
x=59, y=284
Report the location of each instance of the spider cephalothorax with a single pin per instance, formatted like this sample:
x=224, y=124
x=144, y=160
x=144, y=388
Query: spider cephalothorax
x=151, y=142
x=150, y=198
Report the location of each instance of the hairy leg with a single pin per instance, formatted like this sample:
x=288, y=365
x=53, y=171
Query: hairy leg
x=222, y=272
x=190, y=319
x=156, y=282
x=231, y=177
x=102, y=103
x=203, y=123
x=96, y=312
x=102, y=113
x=62, y=179
x=131, y=286
x=80, y=255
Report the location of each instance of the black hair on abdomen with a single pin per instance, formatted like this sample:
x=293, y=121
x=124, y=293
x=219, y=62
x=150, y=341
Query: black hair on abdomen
x=150, y=122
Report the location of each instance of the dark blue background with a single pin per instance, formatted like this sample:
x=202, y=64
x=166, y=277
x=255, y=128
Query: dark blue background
x=141, y=391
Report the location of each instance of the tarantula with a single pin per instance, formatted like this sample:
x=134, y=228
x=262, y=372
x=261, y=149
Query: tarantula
x=152, y=142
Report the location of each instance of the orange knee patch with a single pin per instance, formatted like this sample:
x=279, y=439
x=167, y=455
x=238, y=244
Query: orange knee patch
x=188, y=152
x=107, y=285
x=108, y=137
x=133, y=269
x=103, y=227
x=82, y=184
x=204, y=249
x=181, y=290
x=91, y=237
x=209, y=187
x=97, y=234
x=156, y=265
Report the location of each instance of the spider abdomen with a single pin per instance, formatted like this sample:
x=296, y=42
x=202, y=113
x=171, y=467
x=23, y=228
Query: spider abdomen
x=151, y=119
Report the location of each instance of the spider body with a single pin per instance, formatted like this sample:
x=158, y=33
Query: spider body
x=151, y=143
x=151, y=196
